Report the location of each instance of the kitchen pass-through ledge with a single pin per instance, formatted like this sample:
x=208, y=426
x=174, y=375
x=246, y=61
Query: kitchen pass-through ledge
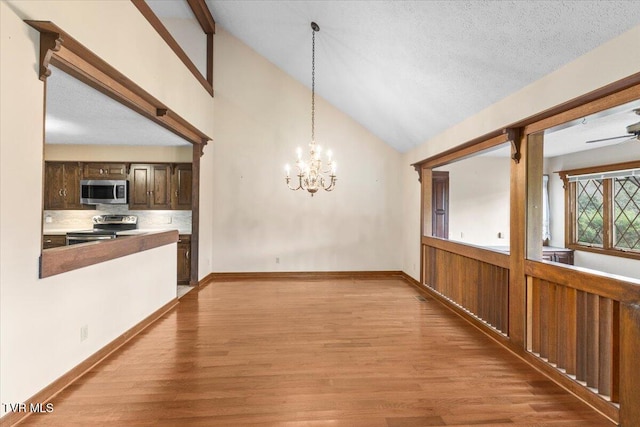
x=67, y=258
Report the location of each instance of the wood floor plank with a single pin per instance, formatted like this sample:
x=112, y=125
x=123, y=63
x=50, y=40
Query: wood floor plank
x=291, y=353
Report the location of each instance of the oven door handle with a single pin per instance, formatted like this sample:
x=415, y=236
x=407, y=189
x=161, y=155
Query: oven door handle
x=88, y=238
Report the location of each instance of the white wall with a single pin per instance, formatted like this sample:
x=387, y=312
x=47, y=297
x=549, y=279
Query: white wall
x=601, y=156
x=115, y=153
x=479, y=200
x=612, y=61
x=40, y=320
x=261, y=116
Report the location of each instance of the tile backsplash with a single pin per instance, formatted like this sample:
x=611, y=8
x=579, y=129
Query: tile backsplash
x=81, y=219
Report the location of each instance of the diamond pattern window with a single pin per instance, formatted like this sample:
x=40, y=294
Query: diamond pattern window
x=590, y=212
x=603, y=212
x=626, y=212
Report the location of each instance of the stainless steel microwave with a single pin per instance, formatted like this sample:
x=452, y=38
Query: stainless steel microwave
x=101, y=191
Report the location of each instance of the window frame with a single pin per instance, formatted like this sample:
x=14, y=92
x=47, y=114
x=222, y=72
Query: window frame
x=208, y=25
x=608, y=209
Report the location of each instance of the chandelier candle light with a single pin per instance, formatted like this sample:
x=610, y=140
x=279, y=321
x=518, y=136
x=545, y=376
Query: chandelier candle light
x=311, y=175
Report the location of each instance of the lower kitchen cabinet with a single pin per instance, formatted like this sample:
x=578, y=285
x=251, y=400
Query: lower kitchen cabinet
x=53, y=241
x=184, y=259
x=561, y=255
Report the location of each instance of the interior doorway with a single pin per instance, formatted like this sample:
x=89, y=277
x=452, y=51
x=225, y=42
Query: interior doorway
x=440, y=204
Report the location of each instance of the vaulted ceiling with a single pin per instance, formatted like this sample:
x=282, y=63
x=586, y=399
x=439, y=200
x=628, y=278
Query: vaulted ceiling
x=407, y=70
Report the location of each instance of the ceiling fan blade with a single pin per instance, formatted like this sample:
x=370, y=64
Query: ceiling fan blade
x=609, y=139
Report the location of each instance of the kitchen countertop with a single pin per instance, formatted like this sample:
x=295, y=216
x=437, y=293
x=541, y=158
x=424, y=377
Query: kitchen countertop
x=137, y=231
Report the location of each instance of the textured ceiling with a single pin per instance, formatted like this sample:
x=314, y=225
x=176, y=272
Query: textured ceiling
x=79, y=114
x=404, y=70
x=407, y=70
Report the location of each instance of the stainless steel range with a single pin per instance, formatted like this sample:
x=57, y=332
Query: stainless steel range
x=105, y=227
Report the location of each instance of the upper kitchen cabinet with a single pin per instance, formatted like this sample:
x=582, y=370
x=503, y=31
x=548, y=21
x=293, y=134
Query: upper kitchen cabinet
x=105, y=171
x=181, y=186
x=62, y=185
x=150, y=186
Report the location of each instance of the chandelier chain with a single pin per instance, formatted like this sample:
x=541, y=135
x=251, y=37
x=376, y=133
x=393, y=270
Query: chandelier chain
x=311, y=174
x=313, y=85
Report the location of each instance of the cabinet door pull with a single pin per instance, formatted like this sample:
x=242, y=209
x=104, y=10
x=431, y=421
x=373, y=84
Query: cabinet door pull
x=176, y=193
x=101, y=171
x=64, y=192
x=187, y=255
x=48, y=241
x=60, y=192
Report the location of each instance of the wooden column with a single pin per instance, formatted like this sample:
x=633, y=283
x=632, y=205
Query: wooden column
x=198, y=150
x=425, y=214
x=629, y=372
x=518, y=201
x=534, y=164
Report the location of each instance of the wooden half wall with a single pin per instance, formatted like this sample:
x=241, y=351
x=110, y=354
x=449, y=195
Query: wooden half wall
x=580, y=327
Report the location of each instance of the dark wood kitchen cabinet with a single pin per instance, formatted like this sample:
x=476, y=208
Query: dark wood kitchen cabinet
x=181, y=186
x=184, y=259
x=561, y=255
x=150, y=186
x=94, y=170
x=53, y=241
x=62, y=185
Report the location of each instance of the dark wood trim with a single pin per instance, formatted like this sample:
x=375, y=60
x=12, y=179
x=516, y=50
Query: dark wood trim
x=625, y=290
x=62, y=50
x=603, y=251
x=608, y=216
x=565, y=174
x=468, y=149
x=78, y=61
x=195, y=213
x=618, y=93
x=513, y=136
x=203, y=15
x=517, y=299
x=425, y=212
x=157, y=25
x=67, y=258
x=611, y=95
x=210, y=47
x=480, y=253
x=49, y=43
x=302, y=275
x=629, y=378
x=410, y=280
x=206, y=281
x=49, y=392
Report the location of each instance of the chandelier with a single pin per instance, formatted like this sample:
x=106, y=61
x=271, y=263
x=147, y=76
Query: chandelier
x=312, y=176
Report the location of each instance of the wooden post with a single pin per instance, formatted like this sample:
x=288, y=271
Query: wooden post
x=629, y=372
x=518, y=200
x=425, y=215
x=534, y=164
x=197, y=152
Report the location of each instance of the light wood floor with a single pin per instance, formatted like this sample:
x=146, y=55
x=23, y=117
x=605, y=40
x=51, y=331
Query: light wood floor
x=313, y=353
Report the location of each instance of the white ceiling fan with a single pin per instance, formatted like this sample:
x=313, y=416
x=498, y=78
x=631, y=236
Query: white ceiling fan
x=633, y=132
